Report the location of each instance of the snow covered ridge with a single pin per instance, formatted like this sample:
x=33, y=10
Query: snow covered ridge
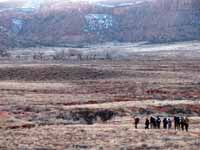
x=22, y=5
x=120, y=3
x=30, y=5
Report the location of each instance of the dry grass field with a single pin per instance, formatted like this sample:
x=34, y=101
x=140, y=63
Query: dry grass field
x=47, y=106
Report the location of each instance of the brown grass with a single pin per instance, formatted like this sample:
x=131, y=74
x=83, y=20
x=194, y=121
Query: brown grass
x=36, y=96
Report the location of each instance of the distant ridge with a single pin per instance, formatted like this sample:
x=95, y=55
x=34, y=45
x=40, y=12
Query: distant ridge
x=60, y=23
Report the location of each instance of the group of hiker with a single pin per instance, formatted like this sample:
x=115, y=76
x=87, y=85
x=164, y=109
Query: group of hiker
x=180, y=123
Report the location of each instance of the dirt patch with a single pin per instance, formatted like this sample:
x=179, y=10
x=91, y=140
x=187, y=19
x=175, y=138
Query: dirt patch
x=77, y=116
x=179, y=109
x=55, y=73
x=4, y=115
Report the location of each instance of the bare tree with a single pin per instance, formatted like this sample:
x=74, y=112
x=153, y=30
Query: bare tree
x=59, y=55
x=108, y=55
x=38, y=56
x=4, y=53
x=74, y=52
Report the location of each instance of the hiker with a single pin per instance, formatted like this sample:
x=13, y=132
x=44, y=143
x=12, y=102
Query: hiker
x=147, y=123
x=158, y=121
x=152, y=122
x=165, y=122
x=182, y=123
x=186, y=124
x=137, y=120
x=177, y=122
x=169, y=123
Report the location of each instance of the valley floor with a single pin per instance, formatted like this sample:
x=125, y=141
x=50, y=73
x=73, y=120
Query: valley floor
x=42, y=105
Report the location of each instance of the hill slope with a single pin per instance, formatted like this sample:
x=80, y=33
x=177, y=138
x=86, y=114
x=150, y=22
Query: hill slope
x=60, y=23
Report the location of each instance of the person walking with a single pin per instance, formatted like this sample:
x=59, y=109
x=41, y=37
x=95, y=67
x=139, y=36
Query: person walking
x=169, y=123
x=182, y=122
x=158, y=121
x=147, y=122
x=187, y=123
x=137, y=120
x=165, y=122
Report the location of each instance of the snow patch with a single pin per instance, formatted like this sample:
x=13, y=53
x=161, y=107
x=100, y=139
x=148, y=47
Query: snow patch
x=17, y=25
x=98, y=22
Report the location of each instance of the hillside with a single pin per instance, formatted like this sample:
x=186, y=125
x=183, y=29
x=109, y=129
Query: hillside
x=63, y=23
